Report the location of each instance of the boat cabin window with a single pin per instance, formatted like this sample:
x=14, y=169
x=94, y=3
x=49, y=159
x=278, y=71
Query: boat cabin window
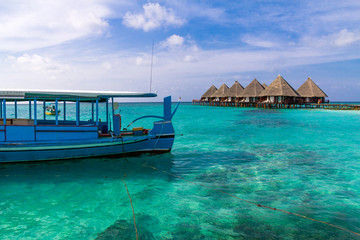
x=59, y=112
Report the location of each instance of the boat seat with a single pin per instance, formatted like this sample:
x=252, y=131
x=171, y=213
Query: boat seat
x=17, y=121
x=104, y=135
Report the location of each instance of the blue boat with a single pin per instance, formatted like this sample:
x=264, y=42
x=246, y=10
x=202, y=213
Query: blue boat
x=37, y=138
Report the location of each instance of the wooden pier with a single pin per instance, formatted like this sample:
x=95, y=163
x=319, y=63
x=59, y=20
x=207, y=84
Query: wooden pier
x=280, y=105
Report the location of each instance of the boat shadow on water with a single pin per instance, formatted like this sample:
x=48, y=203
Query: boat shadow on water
x=86, y=169
x=144, y=165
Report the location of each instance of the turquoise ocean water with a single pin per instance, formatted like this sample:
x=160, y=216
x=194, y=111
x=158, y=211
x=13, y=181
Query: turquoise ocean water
x=302, y=161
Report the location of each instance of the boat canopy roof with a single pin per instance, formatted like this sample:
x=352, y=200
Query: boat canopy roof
x=68, y=95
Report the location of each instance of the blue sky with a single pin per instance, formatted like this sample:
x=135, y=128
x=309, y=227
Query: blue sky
x=106, y=45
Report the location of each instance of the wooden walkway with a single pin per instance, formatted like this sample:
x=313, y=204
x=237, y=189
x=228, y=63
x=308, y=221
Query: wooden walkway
x=281, y=105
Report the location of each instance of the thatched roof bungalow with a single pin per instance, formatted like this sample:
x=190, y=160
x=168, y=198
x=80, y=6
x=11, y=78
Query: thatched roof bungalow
x=252, y=91
x=206, y=96
x=220, y=93
x=311, y=93
x=234, y=92
x=264, y=85
x=280, y=91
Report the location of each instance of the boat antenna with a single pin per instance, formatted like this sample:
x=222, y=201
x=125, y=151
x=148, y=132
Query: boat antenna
x=152, y=58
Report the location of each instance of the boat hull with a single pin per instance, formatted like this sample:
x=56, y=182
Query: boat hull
x=27, y=152
x=51, y=113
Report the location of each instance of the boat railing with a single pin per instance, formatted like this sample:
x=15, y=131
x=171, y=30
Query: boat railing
x=167, y=112
x=102, y=126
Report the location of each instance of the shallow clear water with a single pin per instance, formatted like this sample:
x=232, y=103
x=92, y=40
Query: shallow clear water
x=302, y=161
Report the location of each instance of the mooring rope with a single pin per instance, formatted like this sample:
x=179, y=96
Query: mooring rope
x=123, y=147
x=157, y=140
x=132, y=207
x=254, y=203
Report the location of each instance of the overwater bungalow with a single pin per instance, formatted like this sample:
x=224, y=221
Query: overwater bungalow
x=311, y=93
x=252, y=91
x=280, y=91
x=234, y=94
x=279, y=94
x=206, y=97
x=219, y=96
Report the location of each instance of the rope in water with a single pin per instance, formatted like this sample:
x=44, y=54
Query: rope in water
x=253, y=203
x=229, y=194
x=132, y=207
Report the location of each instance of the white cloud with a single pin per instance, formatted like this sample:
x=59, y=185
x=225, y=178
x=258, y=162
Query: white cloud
x=31, y=71
x=188, y=58
x=299, y=40
x=195, y=9
x=35, y=24
x=139, y=60
x=342, y=38
x=106, y=65
x=173, y=41
x=180, y=69
x=154, y=16
x=259, y=42
x=345, y=37
x=37, y=63
x=184, y=50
